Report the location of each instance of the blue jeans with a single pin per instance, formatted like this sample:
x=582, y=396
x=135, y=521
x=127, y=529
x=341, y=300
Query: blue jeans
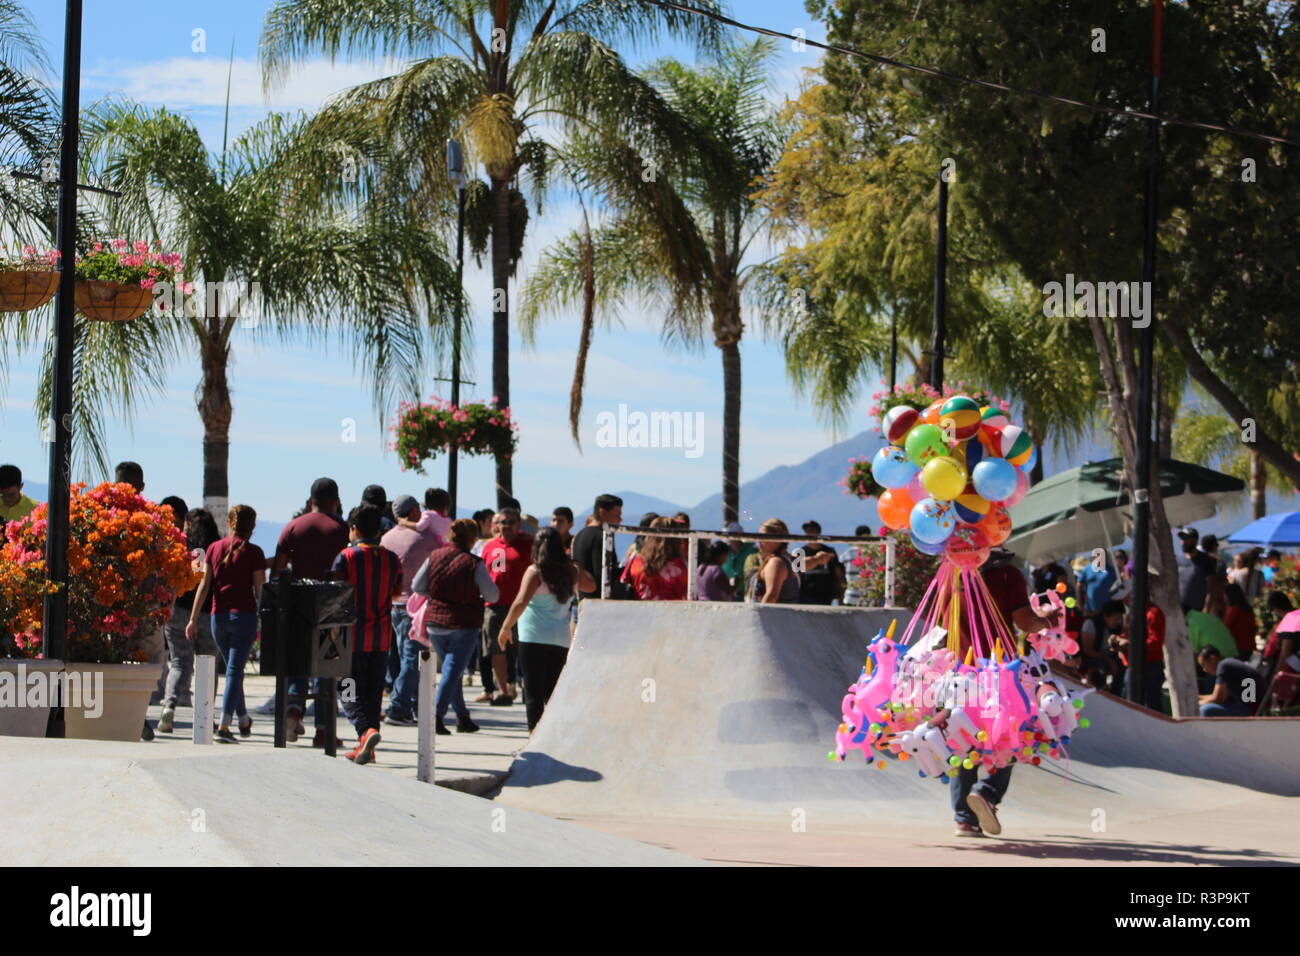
x=298, y=693
x=234, y=633
x=1230, y=709
x=406, y=688
x=454, y=648
x=992, y=788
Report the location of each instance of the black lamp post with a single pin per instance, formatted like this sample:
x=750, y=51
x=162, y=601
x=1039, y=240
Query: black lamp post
x=940, y=284
x=60, y=478
x=456, y=173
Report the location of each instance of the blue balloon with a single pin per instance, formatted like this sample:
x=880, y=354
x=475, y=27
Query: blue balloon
x=995, y=479
x=974, y=453
x=932, y=522
x=931, y=549
x=892, y=468
x=1028, y=466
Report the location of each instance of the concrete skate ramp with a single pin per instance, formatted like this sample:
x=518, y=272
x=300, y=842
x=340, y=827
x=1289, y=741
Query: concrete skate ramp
x=92, y=803
x=726, y=712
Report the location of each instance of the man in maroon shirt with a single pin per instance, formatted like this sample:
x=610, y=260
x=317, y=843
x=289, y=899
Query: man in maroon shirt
x=310, y=543
x=507, y=557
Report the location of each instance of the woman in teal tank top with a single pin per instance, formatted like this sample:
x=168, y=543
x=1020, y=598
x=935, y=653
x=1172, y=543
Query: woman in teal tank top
x=541, y=609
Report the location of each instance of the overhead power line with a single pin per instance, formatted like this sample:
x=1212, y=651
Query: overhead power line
x=976, y=81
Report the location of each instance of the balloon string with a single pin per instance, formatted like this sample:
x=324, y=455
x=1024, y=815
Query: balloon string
x=923, y=612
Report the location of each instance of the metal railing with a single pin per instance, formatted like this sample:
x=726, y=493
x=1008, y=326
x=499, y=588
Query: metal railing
x=692, y=535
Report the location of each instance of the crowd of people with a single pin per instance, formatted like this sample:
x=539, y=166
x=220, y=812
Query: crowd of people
x=1239, y=662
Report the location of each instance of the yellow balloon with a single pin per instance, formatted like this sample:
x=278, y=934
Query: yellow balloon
x=944, y=478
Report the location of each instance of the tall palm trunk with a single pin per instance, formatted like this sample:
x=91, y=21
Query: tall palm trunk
x=213, y=402
x=730, y=432
x=501, y=319
x=1258, y=486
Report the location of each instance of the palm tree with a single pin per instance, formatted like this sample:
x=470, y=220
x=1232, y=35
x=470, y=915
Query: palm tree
x=28, y=123
x=491, y=71
x=681, y=227
x=367, y=273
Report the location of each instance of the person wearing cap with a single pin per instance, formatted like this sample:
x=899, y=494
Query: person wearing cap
x=308, y=546
x=412, y=541
x=821, y=576
x=734, y=566
x=1195, y=568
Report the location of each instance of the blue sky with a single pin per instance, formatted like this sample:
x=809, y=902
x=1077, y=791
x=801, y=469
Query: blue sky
x=292, y=404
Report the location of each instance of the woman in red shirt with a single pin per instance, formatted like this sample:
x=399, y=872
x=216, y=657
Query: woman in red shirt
x=658, y=570
x=1240, y=620
x=235, y=573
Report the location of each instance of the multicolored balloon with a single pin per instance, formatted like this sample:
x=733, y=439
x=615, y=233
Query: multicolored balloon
x=964, y=415
x=892, y=468
x=1015, y=445
x=932, y=521
x=898, y=421
x=925, y=442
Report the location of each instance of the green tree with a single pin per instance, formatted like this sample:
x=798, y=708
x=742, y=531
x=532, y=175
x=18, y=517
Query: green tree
x=492, y=71
x=369, y=274
x=681, y=227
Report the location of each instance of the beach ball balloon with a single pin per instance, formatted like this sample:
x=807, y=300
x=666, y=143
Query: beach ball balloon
x=994, y=479
x=973, y=452
x=944, y=478
x=1028, y=466
x=925, y=442
x=1015, y=445
x=931, y=415
x=932, y=521
x=996, y=525
x=1022, y=488
x=967, y=547
x=993, y=417
x=898, y=421
x=895, y=508
x=964, y=415
x=971, y=507
x=891, y=467
x=990, y=439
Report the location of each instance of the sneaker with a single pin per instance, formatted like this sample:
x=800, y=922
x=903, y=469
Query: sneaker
x=166, y=721
x=441, y=728
x=246, y=727
x=400, y=721
x=226, y=737
x=147, y=732
x=968, y=830
x=466, y=726
x=293, y=728
x=987, y=813
x=502, y=700
x=365, y=751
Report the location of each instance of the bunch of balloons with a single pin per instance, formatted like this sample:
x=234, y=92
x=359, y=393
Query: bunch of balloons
x=950, y=472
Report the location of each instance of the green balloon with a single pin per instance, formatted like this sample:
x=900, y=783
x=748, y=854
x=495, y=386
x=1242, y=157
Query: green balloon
x=1085, y=723
x=925, y=442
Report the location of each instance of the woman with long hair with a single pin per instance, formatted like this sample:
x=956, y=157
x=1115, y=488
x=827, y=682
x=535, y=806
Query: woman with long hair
x=1240, y=619
x=235, y=573
x=200, y=533
x=776, y=581
x=658, y=571
x=541, y=609
x=457, y=583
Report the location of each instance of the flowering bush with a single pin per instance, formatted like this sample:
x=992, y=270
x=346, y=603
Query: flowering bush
x=859, y=480
x=130, y=264
x=1287, y=580
x=30, y=260
x=127, y=561
x=912, y=571
x=923, y=396
x=474, y=429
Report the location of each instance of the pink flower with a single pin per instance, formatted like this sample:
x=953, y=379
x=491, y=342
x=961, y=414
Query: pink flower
x=141, y=246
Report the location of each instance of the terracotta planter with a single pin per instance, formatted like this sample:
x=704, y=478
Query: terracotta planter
x=27, y=290
x=121, y=701
x=111, y=301
x=16, y=718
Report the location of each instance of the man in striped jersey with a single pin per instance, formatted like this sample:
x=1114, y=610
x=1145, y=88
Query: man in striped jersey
x=376, y=577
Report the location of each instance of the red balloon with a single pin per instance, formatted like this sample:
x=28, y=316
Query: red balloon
x=895, y=508
x=898, y=421
x=996, y=525
x=968, y=547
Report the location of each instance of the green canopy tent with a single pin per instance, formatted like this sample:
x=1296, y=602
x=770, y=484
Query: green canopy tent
x=1088, y=507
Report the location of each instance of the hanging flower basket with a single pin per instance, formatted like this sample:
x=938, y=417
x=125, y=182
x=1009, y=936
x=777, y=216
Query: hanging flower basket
x=29, y=280
x=424, y=430
x=115, y=282
x=111, y=301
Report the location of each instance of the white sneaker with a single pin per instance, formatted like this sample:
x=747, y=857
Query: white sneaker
x=985, y=812
x=165, y=721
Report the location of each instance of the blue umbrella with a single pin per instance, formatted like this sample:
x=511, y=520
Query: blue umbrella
x=1283, y=529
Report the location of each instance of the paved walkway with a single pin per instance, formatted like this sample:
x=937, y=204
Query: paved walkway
x=473, y=763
